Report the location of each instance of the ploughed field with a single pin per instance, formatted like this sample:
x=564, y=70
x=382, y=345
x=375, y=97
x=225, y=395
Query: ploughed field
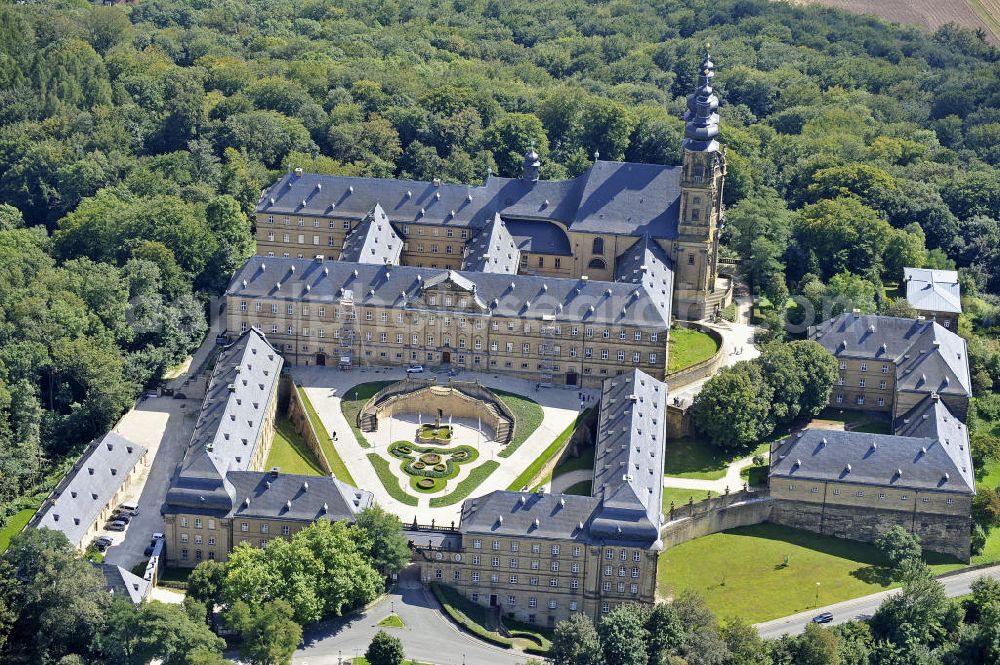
x=929, y=14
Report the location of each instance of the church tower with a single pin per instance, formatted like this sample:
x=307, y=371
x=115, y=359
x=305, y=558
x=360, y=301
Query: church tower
x=704, y=170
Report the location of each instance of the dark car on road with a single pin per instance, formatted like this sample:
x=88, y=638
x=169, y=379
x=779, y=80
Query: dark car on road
x=824, y=617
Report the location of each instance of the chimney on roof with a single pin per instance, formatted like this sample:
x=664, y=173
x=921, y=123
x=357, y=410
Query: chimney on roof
x=274, y=472
x=856, y=312
x=298, y=171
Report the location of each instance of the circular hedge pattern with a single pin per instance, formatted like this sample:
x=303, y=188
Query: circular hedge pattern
x=440, y=467
x=419, y=465
x=426, y=483
x=430, y=458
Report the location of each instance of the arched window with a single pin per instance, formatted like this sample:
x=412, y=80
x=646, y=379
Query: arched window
x=598, y=246
x=597, y=264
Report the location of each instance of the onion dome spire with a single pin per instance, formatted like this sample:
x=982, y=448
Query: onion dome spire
x=532, y=166
x=701, y=126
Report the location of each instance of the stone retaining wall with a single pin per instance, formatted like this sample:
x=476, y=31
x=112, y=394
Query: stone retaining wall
x=714, y=515
x=700, y=370
x=300, y=421
x=946, y=534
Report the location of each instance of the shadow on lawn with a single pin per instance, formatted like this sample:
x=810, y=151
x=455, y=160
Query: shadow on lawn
x=872, y=568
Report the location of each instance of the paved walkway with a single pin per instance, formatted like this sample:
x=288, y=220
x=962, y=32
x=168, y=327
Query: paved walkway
x=164, y=426
x=731, y=480
x=862, y=608
x=428, y=635
x=736, y=336
x=216, y=325
x=326, y=385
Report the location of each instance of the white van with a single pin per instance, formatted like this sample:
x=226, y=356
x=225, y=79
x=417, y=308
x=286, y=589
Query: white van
x=129, y=507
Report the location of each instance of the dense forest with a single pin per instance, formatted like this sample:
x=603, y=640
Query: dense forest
x=134, y=142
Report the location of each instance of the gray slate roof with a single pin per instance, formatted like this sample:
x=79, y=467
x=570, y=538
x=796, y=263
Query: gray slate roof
x=647, y=264
x=929, y=451
x=628, y=475
x=933, y=290
x=88, y=487
x=493, y=250
x=610, y=197
x=535, y=514
x=928, y=357
x=373, y=241
x=628, y=458
x=524, y=296
x=117, y=580
x=229, y=424
x=539, y=237
x=266, y=494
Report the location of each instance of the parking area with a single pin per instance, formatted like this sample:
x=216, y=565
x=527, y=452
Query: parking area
x=164, y=426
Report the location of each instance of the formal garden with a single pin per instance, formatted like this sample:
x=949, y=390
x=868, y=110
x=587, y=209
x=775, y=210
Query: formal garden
x=431, y=467
x=434, y=454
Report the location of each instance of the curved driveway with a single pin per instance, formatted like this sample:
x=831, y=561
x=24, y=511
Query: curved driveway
x=429, y=636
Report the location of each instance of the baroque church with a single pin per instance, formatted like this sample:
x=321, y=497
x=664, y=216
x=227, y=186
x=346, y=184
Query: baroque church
x=597, y=225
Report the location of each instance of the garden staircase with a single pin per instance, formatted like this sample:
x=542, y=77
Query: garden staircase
x=367, y=422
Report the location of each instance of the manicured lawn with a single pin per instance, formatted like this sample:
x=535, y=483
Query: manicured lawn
x=698, y=459
x=326, y=443
x=392, y=621
x=581, y=488
x=527, y=417
x=13, y=527
x=351, y=402
x=743, y=572
x=466, y=486
x=528, y=475
x=290, y=453
x=389, y=480
x=688, y=347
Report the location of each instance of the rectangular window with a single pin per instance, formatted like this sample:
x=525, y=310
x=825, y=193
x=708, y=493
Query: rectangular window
x=243, y=526
x=532, y=602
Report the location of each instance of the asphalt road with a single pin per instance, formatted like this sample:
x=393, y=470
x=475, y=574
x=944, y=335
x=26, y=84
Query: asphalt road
x=428, y=634
x=164, y=426
x=954, y=585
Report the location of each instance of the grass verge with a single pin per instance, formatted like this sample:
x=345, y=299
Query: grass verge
x=528, y=475
x=325, y=442
x=389, y=481
x=766, y=571
x=392, y=621
x=527, y=417
x=466, y=486
x=681, y=497
x=472, y=618
x=14, y=525
x=353, y=400
x=290, y=453
x=688, y=347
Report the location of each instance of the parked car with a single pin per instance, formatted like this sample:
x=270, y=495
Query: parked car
x=823, y=617
x=415, y=369
x=122, y=517
x=131, y=508
x=117, y=525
